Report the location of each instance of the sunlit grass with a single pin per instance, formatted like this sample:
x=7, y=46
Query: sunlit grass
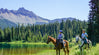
x=73, y=51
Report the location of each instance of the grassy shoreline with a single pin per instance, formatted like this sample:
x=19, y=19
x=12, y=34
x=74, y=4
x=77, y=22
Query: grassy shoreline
x=74, y=50
x=21, y=42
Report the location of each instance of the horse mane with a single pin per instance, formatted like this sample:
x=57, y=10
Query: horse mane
x=52, y=38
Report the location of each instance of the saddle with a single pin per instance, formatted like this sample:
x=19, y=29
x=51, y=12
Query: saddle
x=85, y=41
x=59, y=43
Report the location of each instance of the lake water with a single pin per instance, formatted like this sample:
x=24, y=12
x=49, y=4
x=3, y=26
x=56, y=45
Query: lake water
x=22, y=49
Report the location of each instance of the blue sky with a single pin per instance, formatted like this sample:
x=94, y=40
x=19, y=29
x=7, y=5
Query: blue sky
x=51, y=9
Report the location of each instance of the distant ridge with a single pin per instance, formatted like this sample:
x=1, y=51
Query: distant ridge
x=60, y=19
x=24, y=16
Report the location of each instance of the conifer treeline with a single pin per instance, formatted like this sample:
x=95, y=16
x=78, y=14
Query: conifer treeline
x=93, y=27
x=39, y=33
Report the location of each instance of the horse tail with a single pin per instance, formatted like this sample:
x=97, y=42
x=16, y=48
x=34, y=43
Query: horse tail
x=67, y=46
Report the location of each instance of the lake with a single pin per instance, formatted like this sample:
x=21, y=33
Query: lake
x=23, y=49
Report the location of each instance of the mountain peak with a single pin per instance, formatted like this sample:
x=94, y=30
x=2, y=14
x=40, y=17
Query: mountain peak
x=25, y=12
x=22, y=9
x=4, y=10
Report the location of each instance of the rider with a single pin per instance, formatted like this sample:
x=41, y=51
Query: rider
x=60, y=38
x=84, y=38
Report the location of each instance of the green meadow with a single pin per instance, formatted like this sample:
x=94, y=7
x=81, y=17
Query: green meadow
x=31, y=48
x=73, y=51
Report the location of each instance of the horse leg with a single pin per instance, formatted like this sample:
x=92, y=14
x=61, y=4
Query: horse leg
x=80, y=51
x=56, y=52
x=59, y=51
x=64, y=51
x=90, y=45
x=67, y=51
x=67, y=48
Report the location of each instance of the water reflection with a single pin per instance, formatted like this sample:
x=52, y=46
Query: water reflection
x=21, y=49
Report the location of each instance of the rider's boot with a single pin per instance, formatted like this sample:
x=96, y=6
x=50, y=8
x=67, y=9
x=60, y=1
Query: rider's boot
x=63, y=46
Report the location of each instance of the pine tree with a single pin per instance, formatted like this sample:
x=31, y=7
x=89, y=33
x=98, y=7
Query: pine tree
x=40, y=36
x=93, y=24
x=12, y=33
x=1, y=35
x=62, y=25
x=45, y=38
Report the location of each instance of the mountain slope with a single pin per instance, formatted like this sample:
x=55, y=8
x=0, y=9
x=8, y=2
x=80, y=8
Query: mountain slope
x=21, y=16
x=6, y=23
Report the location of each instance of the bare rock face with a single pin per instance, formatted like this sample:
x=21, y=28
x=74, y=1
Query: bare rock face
x=21, y=16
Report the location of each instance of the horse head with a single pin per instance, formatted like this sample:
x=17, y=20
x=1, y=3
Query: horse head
x=77, y=38
x=48, y=39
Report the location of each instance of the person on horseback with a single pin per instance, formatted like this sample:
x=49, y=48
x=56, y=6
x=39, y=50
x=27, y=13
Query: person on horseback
x=60, y=38
x=84, y=38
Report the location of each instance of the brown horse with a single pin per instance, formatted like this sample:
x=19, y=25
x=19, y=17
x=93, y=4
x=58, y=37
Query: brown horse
x=53, y=40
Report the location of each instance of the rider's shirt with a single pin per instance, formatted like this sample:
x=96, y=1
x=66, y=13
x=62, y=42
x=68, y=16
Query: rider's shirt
x=84, y=35
x=60, y=36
